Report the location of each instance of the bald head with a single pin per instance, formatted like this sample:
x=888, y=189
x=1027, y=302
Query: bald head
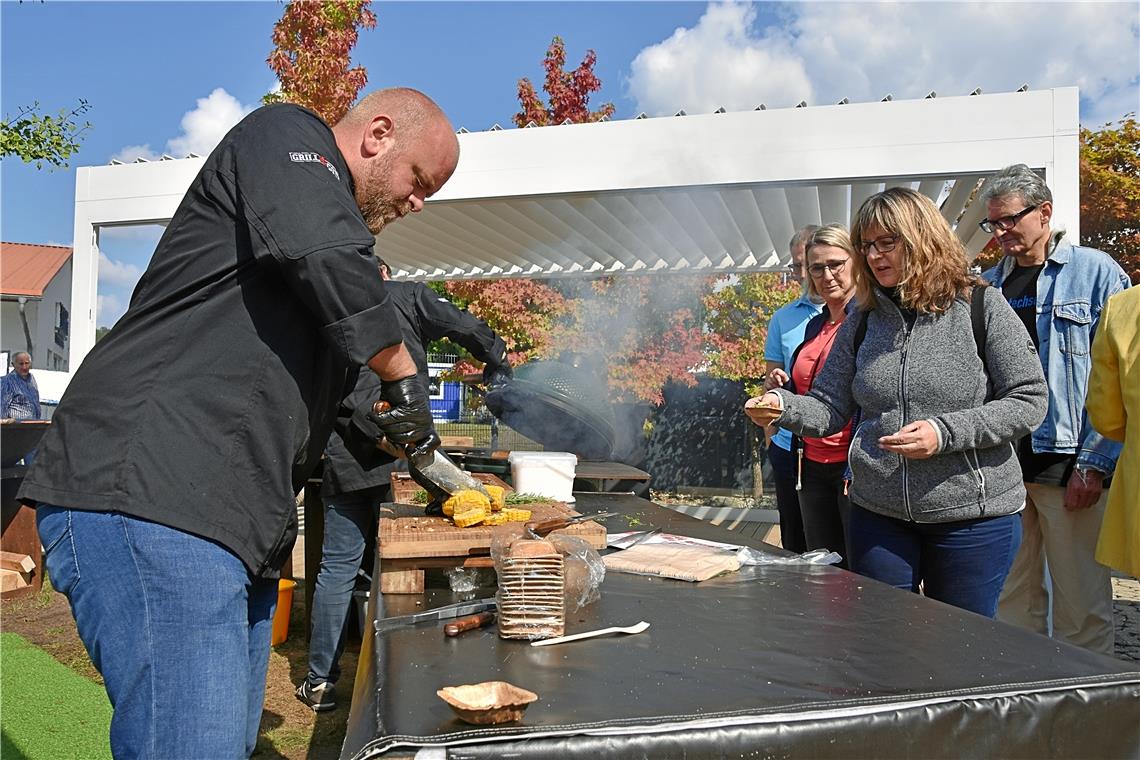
x=407, y=106
x=400, y=148
x=22, y=363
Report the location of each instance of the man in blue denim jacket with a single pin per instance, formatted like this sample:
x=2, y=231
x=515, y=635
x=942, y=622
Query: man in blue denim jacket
x=1058, y=289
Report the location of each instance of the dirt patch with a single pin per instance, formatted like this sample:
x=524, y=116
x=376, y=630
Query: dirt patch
x=45, y=620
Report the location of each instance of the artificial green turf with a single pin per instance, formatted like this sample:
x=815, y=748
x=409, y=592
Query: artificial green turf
x=48, y=711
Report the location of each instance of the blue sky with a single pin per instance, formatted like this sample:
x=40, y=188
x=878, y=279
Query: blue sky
x=166, y=77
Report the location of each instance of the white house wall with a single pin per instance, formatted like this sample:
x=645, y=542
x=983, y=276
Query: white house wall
x=12, y=328
x=49, y=354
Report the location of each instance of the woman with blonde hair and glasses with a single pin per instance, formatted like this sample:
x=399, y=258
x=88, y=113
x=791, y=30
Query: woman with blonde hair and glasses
x=822, y=462
x=945, y=379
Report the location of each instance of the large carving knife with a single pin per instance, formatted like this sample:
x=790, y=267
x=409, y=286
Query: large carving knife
x=435, y=473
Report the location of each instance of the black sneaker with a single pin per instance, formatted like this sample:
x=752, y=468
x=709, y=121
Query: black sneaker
x=320, y=697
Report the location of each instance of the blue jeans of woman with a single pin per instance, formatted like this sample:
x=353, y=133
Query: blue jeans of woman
x=962, y=563
x=175, y=623
x=350, y=520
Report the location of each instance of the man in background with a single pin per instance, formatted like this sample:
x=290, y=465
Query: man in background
x=19, y=392
x=1058, y=289
x=785, y=334
x=357, y=476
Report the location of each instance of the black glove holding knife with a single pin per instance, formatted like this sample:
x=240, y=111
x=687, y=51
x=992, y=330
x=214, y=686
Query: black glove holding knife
x=403, y=416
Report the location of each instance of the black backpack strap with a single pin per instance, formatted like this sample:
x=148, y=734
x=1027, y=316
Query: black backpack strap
x=860, y=332
x=978, y=321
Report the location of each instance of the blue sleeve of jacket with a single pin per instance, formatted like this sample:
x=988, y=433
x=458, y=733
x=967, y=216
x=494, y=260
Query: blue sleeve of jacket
x=7, y=391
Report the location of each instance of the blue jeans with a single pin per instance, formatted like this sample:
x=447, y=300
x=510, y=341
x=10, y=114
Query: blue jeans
x=350, y=523
x=961, y=563
x=176, y=625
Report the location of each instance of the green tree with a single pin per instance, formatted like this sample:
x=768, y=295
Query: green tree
x=313, y=46
x=737, y=311
x=41, y=138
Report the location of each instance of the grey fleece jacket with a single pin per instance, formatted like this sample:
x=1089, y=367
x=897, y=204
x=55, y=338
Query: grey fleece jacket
x=930, y=372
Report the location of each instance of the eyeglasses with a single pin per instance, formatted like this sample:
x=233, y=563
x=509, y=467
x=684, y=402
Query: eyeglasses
x=885, y=244
x=835, y=267
x=1005, y=222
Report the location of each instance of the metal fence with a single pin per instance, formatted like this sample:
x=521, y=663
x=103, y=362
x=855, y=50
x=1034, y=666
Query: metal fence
x=486, y=432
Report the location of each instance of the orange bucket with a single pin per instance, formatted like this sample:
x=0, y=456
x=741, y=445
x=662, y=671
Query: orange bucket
x=281, y=614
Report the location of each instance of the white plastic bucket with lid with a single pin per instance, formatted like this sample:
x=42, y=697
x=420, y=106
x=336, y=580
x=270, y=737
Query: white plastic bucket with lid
x=546, y=473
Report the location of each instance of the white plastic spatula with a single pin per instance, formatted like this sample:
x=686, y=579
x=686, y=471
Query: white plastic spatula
x=591, y=634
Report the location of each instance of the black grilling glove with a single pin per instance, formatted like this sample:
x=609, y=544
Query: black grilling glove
x=407, y=422
x=497, y=371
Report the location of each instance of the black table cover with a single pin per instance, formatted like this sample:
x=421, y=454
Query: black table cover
x=776, y=661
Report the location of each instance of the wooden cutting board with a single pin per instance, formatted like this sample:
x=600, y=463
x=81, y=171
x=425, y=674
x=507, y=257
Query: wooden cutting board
x=405, y=531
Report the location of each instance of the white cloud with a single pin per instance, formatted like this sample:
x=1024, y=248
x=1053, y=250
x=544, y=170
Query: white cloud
x=108, y=309
x=821, y=52
x=206, y=125
x=118, y=274
x=128, y=154
x=719, y=62
x=203, y=127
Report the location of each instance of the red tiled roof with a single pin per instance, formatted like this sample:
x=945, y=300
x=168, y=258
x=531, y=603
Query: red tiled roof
x=26, y=269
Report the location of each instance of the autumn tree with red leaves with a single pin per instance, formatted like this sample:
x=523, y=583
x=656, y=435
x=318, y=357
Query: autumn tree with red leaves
x=648, y=329
x=569, y=92
x=1110, y=192
x=314, y=41
x=523, y=313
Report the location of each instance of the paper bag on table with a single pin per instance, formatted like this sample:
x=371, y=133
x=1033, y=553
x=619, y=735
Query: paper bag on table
x=686, y=563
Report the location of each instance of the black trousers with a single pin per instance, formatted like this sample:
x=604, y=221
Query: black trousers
x=826, y=511
x=787, y=501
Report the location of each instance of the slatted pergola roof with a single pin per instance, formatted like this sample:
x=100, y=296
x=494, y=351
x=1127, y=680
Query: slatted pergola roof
x=720, y=192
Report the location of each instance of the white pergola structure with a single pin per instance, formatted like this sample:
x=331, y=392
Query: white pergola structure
x=720, y=192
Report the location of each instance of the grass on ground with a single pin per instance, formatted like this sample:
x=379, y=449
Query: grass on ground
x=49, y=710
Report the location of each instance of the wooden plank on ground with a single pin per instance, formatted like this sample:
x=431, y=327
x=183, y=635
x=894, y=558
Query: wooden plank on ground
x=15, y=561
x=10, y=580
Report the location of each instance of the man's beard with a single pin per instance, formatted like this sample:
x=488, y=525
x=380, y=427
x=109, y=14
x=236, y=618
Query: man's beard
x=374, y=198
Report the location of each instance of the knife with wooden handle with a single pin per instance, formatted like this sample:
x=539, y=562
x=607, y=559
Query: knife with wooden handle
x=469, y=623
x=540, y=528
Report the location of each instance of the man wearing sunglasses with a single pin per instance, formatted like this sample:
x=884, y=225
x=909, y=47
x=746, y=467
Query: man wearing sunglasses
x=1058, y=289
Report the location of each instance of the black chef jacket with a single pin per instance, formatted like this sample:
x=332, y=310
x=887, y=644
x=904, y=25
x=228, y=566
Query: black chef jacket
x=209, y=402
x=424, y=316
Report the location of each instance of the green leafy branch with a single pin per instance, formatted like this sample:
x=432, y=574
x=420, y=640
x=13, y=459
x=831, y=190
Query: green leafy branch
x=42, y=138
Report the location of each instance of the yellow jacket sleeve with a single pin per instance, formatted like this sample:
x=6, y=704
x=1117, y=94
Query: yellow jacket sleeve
x=1105, y=402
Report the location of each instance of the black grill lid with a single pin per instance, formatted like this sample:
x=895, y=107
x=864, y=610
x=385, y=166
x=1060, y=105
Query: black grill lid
x=563, y=407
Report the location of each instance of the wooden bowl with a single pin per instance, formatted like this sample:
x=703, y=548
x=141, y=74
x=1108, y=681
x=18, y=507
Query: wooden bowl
x=488, y=702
